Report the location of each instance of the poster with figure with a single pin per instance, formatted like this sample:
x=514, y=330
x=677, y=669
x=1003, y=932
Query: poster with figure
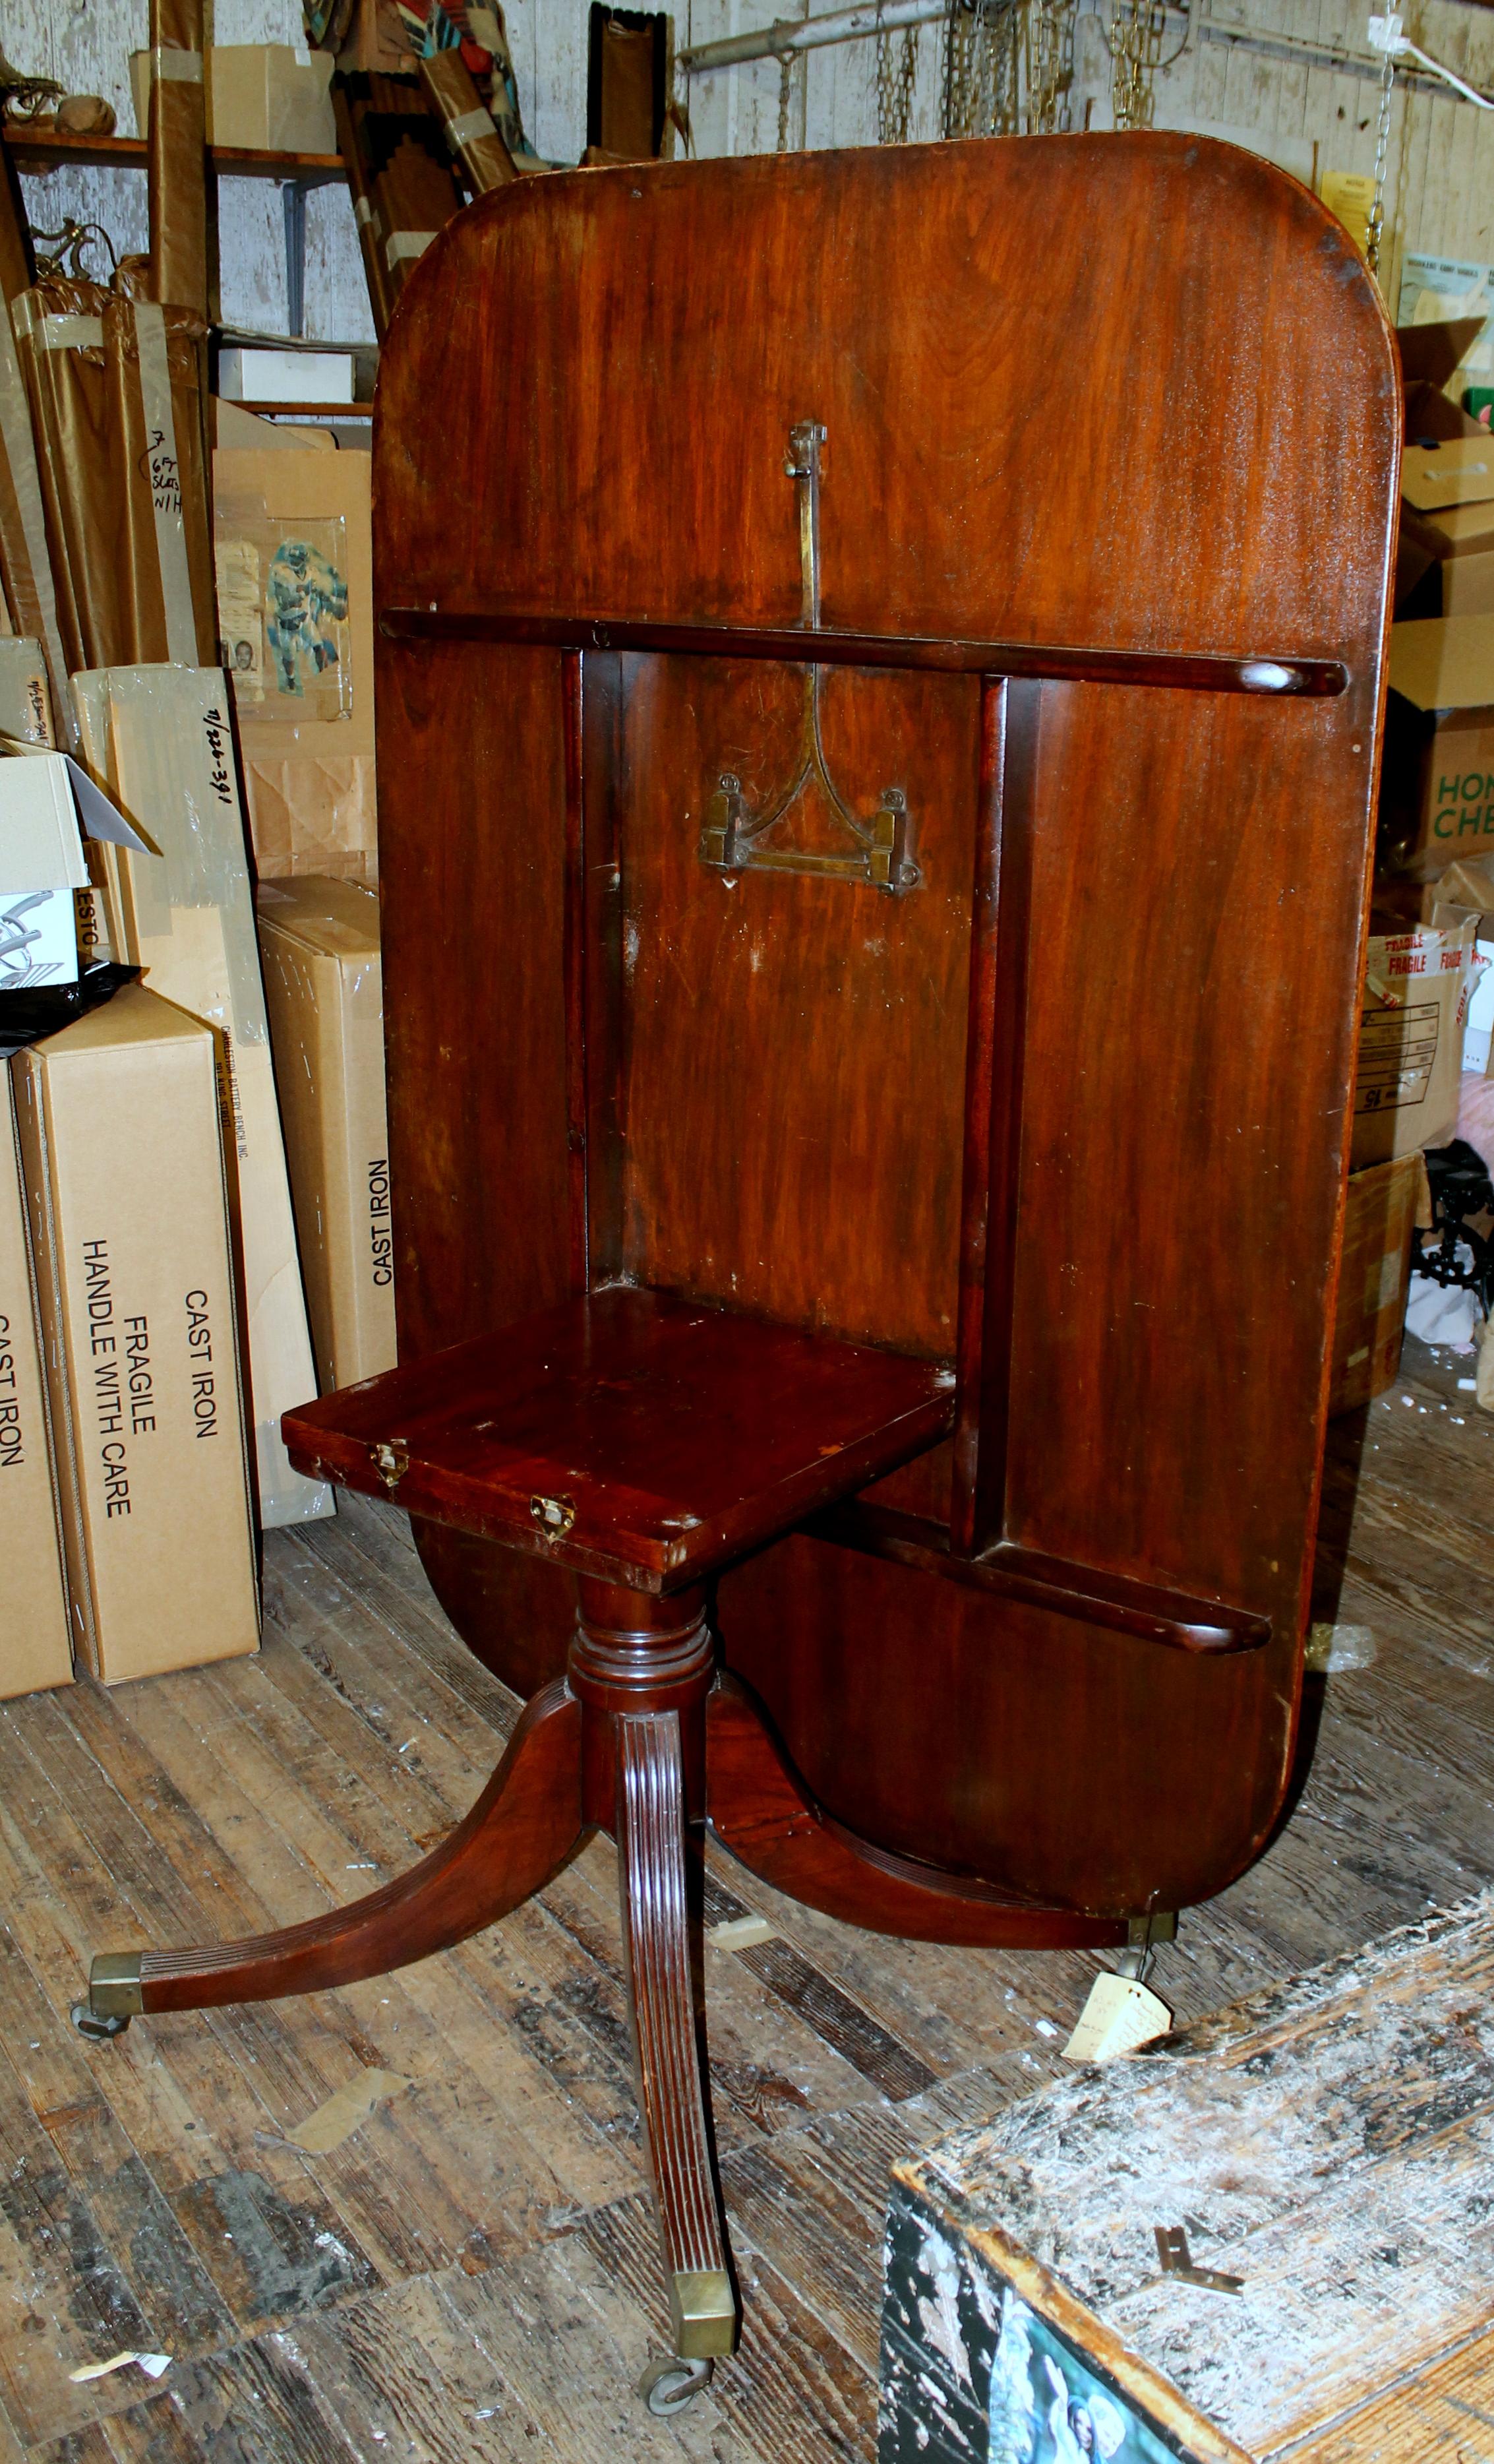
x=284, y=617
x=1048, y=2405
x=305, y=607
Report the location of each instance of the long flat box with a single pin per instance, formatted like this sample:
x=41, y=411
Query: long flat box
x=123, y=1174
x=1327, y=2144
x=161, y=735
x=319, y=943
x=34, y=1645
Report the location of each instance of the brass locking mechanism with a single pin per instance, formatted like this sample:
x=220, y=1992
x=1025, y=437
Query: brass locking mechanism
x=735, y=837
x=554, y=1515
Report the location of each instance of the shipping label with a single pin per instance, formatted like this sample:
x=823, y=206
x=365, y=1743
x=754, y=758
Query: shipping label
x=1397, y=1049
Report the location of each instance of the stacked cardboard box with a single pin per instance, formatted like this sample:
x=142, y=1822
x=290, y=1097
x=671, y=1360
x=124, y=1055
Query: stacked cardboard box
x=1417, y=987
x=123, y=1180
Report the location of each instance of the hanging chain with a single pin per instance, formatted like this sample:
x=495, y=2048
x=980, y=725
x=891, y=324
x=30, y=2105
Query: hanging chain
x=1008, y=65
x=1375, y=228
x=1049, y=52
x=1136, y=28
x=895, y=85
x=959, y=44
x=981, y=68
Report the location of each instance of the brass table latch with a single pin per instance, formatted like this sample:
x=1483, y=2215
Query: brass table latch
x=554, y=1515
x=391, y=1463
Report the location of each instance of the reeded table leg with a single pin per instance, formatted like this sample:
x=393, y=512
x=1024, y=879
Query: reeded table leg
x=651, y=1845
x=641, y=1666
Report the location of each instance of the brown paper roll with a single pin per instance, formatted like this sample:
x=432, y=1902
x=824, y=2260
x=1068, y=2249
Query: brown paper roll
x=59, y=341
x=469, y=128
x=161, y=464
x=178, y=164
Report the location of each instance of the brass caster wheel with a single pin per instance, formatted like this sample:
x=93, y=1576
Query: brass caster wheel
x=97, y=2025
x=671, y=2386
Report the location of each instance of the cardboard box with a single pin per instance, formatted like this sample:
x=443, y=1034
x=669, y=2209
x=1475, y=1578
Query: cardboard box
x=1430, y=357
x=318, y=941
x=122, y=1165
x=47, y=804
x=1457, y=473
x=267, y=97
x=1438, y=793
x=36, y=1649
x=1384, y=1205
x=26, y=714
x=41, y=868
x=295, y=556
x=247, y=373
x=189, y=921
x=233, y=425
x=1417, y=987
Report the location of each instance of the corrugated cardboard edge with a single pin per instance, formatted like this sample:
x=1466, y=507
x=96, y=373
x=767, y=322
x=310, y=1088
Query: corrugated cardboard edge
x=29, y=1080
x=1073, y=2320
x=251, y=1469
x=39, y=1338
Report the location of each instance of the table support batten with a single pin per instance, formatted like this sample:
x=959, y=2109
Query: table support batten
x=573, y=706
x=999, y=951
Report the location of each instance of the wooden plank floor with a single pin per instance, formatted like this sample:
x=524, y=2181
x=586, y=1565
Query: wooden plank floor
x=472, y=2274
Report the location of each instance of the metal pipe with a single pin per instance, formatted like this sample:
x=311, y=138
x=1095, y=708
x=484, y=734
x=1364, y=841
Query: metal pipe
x=807, y=33
x=783, y=40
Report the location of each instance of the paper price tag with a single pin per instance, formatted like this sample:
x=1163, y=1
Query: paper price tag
x=1119, y=2016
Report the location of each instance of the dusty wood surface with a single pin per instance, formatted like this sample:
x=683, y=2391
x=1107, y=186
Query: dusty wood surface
x=1330, y=2145
x=472, y=2273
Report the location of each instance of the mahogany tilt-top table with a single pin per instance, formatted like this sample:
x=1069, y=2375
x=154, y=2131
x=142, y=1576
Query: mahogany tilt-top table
x=879, y=691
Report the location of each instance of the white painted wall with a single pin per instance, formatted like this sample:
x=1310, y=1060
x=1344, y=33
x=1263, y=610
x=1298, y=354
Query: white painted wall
x=1442, y=158
x=87, y=44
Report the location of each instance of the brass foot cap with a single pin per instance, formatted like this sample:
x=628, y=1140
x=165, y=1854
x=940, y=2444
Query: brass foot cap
x=703, y=2313
x=114, y=1985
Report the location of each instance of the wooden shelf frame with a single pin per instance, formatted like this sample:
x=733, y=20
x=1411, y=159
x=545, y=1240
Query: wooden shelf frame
x=50, y=149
